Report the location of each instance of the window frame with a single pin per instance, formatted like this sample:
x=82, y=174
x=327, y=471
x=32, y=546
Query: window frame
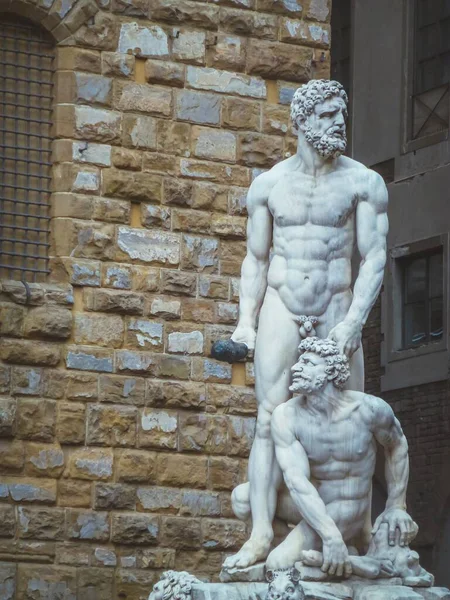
x=408, y=144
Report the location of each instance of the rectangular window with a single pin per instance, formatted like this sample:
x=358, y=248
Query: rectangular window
x=422, y=298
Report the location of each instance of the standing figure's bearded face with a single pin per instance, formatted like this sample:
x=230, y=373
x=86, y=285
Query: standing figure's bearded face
x=325, y=128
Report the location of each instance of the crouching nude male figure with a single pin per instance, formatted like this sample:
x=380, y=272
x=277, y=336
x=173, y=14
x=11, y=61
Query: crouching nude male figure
x=311, y=209
x=325, y=443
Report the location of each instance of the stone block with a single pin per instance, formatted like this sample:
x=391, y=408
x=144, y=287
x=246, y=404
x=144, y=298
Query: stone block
x=199, y=311
x=229, y=52
x=130, y=8
x=74, y=493
x=200, y=254
x=229, y=226
x=189, y=46
x=160, y=163
x=203, y=433
x=275, y=119
x=96, y=583
x=157, y=499
x=111, y=425
x=214, y=144
x=288, y=7
x=114, y=496
x=28, y=352
x=104, y=557
x=78, y=59
x=157, y=558
x=210, y=286
x=97, y=124
x=82, y=272
x=141, y=97
x=165, y=73
x=91, y=464
x=165, y=308
x=131, y=583
x=44, y=460
x=157, y=429
x=85, y=358
x=136, y=466
x=154, y=247
x=177, y=192
x=211, y=371
x=145, y=279
x=114, y=211
x=132, y=186
x=7, y=525
x=12, y=456
x=223, y=534
x=223, y=473
x=135, y=529
x=179, y=470
x=5, y=377
x=248, y=23
x=227, y=312
x=193, y=221
x=87, y=525
x=45, y=582
x=318, y=10
x=232, y=399
x=139, y=132
x=27, y=381
x=198, y=107
x=99, y=330
x=11, y=320
x=70, y=424
x=124, y=302
x=225, y=82
x=8, y=417
x=135, y=362
x=155, y=216
x=213, y=171
x=178, y=282
x=78, y=386
x=117, y=64
x=41, y=523
x=36, y=419
x=117, y=277
x=306, y=34
x=173, y=367
x=208, y=196
x=121, y=390
x=260, y=150
x=89, y=152
x=92, y=89
x=122, y=158
x=200, y=504
x=145, y=42
x=185, y=343
x=241, y=435
x=185, y=12
x=175, y=394
x=181, y=533
x=31, y=490
x=144, y=334
x=241, y=114
x=173, y=138
x=274, y=60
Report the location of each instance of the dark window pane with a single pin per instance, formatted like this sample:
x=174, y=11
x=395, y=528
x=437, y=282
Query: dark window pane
x=415, y=280
x=415, y=332
x=436, y=319
x=427, y=44
x=436, y=275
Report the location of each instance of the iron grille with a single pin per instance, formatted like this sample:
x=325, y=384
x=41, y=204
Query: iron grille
x=26, y=97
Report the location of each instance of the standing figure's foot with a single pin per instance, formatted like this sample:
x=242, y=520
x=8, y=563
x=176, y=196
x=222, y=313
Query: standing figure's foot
x=253, y=551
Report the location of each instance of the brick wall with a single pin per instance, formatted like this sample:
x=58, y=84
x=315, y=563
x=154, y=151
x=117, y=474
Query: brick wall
x=121, y=440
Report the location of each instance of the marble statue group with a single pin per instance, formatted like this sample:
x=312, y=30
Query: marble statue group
x=309, y=489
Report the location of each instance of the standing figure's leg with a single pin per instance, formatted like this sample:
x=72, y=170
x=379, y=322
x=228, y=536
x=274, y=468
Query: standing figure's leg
x=275, y=353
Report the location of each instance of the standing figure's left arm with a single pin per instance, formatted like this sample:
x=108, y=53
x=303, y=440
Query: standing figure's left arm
x=371, y=232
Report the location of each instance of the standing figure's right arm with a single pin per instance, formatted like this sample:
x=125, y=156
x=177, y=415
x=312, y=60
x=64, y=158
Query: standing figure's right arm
x=256, y=263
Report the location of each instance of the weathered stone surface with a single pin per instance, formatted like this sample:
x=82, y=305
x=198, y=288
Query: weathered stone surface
x=234, y=399
x=135, y=529
x=260, y=150
x=198, y=107
x=155, y=216
x=156, y=499
x=8, y=410
x=70, y=424
x=98, y=580
x=157, y=429
x=241, y=114
x=117, y=64
x=85, y=358
x=213, y=287
x=100, y=330
x=318, y=10
x=36, y=419
x=142, y=97
x=280, y=61
x=177, y=192
x=147, y=42
x=185, y=12
x=74, y=493
x=211, y=371
x=189, y=46
x=154, y=247
x=145, y=279
x=178, y=282
x=137, y=466
x=204, y=433
x=173, y=138
x=306, y=34
x=41, y=523
x=28, y=352
x=44, y=581
x=12, y=456
x=223, y=534
x=164, y=72
x=213, y=171
x=225, y=82
x=200, y=254
x=181, y=532
x=157, y=558
x=128, y=303
x=8, y=580
x=105, y=557
x=200, y=504
x=134, y=362
x=139, y=132
x=223, y=473
x=241, y=434
x=290, y=7
x=112, y=496
x=27, y=381
x=92, y=89
x=118, y=277
x=44, y=460
x=214, y=144
x=175, y=394
x=249, y=23
x=97, y=124
x=121, y=390
x=11, y=320
x=30, y=490
x=7, y=524
x=193, y=221
x=91, y=464
x=229, y=52
x=122, y=158
x=185, y=343
x=113, y=211
x=132, y=186
x=179, y=470
x=209, y=197
x=144, y=334
x=111, y=425
x=164, y=308
x=87, y=525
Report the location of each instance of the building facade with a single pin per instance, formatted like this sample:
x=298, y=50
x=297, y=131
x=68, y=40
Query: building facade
x=394, y=57
x=130, y=132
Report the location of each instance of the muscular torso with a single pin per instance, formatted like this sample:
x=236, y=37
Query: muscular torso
x=341, y=452
x=313, y=237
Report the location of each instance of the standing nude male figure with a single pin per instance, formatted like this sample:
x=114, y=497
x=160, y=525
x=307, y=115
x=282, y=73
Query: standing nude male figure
x=311, y=209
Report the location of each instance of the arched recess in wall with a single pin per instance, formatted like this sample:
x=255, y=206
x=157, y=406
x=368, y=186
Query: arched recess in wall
x=30, y=39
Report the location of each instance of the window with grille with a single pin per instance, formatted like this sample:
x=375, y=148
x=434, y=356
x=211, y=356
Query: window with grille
x=26, y=96
x=431, y=77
